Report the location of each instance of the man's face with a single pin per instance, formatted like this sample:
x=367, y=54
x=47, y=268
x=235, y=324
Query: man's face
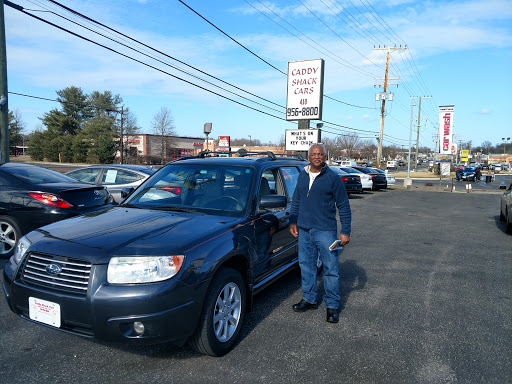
x=316, y=156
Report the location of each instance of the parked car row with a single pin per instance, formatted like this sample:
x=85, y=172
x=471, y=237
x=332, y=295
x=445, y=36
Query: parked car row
x=32, y=196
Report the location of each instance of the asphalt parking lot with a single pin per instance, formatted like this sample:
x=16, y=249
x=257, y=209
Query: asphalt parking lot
x=426, y=298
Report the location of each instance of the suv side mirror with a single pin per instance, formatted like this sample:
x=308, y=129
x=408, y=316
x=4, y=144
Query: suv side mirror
x=273, y=201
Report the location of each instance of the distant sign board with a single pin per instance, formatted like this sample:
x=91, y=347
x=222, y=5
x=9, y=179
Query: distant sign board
x=301, y=139
x=446, y=127
x=305, y=90
x=224, y=143
x=443, y=158
x=464, y=155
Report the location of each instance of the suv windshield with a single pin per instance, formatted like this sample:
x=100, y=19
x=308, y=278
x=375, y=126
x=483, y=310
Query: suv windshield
x=208, y=188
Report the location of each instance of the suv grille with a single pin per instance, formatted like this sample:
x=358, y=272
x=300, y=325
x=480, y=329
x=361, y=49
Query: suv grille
x=74, y=276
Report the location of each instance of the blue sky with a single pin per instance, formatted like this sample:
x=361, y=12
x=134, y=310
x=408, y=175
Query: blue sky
x=458, y=52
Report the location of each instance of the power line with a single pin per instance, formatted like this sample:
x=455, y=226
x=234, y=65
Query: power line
x=150, y=66
x=224, y=33
x=348, y=65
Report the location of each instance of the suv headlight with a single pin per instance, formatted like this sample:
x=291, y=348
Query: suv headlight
x=20, y=251
x=143, y=269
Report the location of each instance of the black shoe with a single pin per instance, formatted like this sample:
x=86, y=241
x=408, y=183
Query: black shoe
x=304, y=306
x=332, y=315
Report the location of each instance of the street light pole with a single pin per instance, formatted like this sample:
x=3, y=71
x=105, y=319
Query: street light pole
x=505, y=145
x=250, y=142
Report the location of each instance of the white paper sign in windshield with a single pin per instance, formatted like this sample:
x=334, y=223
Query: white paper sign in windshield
x=305, y=90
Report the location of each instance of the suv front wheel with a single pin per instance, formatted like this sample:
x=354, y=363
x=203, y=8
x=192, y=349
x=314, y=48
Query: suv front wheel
x=222, y=315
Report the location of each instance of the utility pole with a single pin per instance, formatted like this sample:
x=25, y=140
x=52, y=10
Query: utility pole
x=121, y=147
x=408, y=180
x=4, y=106
x=418, y=132
x=383, y=97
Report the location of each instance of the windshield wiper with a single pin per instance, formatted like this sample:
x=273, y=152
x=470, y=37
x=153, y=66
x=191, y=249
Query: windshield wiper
x=129, y=206
x=175, y=209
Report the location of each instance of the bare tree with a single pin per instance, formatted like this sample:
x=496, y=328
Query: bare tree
x=332, y=148
x=367, y=149
x=163, y=125
x=350, y=143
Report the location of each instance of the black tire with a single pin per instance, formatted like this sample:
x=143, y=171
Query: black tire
x=508, y=222
x=220, y=324
x=502, y=216
x=9, y=235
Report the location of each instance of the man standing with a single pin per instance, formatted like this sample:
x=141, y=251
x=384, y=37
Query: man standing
x=319, y=192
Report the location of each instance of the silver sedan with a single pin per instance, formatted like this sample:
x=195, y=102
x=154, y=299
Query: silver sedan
x=114, y=177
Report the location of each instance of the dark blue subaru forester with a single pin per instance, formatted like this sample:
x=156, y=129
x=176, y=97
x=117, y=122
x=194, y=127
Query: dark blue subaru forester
x=179, y=260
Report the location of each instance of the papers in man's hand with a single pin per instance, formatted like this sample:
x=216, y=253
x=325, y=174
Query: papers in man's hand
x=336, y=245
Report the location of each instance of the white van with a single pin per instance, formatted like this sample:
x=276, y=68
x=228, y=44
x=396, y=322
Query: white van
x=348, y=163
x=392, y=164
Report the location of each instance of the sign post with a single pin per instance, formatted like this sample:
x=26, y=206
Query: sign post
x=305, y=90
x=445, y=134
x=224, y=145
x=304, y=102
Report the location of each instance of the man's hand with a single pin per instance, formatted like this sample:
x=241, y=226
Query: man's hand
x=293, y=230
x=345, y=239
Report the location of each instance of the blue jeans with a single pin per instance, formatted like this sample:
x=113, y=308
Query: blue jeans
x=314, y=243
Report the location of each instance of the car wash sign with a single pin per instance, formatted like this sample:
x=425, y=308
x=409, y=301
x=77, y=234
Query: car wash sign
x=446, y=128
x=305, y=90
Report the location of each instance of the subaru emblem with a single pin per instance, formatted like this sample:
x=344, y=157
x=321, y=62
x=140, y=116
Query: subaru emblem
x=53, y=269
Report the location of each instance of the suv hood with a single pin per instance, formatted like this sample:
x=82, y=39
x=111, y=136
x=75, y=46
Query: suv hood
x=128, y=231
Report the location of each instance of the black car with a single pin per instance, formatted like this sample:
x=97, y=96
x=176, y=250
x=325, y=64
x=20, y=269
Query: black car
x=32, y=196
x=352, y=182
x=164, y=267
x=379, y=179
x=468, y=173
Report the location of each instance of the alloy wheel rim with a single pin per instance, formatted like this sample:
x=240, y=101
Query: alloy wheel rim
x=228, y=308
x=7, y=238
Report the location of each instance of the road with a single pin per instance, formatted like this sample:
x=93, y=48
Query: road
x=462, y=186
x=426, y=286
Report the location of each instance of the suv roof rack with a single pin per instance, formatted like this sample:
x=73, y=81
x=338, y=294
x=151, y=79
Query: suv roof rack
x=244, y=153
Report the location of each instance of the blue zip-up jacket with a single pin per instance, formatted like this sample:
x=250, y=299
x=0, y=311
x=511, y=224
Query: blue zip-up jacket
x=316, y=207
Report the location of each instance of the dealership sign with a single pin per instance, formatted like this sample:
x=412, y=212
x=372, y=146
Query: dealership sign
x=305, y=90
x=301, y=139
x=224, y=143
x=446, y=128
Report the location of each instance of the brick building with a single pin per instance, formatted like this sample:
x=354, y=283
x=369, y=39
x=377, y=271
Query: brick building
x=147, y=148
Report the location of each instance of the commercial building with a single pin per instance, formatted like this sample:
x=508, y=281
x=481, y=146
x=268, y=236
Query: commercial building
x=152, y=149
